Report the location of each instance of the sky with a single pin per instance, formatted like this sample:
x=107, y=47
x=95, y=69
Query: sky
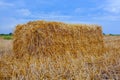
x=105, y=13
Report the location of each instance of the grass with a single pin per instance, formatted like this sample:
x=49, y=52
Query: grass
x=113, y=34
x=106, y=67
x=6, y=36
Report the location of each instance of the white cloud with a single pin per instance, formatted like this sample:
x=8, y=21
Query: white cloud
x=24, y=12
x=78, y=10
x=49, y=16
x=107, y=18
x=109, y=11
x=11, y=24
x=44, y=16
x=5, y=4
x=112, y=6
x=41, y=15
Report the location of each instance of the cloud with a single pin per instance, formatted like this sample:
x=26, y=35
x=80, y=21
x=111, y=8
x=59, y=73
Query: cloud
x=45, y=1
x=5, y=4
x=8, y=24
x=23, y=12
x=53, y=15
x=112, y=6
x=107, y=18
x=50, y=16
x=109, y=10
x=78, y=10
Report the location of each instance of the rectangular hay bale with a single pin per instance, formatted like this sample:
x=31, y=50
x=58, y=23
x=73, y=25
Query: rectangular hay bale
x=51, y=38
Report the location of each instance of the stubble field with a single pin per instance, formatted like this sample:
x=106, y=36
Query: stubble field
x=106, y=67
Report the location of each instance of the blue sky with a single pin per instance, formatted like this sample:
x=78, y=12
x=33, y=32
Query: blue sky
x=102, y=12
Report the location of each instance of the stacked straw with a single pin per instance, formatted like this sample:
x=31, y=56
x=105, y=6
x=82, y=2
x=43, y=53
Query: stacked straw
x=56, y=38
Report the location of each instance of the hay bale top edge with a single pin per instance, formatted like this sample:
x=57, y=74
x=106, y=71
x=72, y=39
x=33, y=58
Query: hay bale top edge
x=40, y=22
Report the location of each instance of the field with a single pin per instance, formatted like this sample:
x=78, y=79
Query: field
x=6, y=36
x=106, y=67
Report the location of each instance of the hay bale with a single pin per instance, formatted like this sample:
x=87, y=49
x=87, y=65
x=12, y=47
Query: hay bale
x=52, y=38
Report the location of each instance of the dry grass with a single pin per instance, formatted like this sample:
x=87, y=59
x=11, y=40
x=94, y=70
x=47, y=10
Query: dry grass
x=56, y=38
x=58, y=47
x=5, y=46
x=108, y=66
x=64, y=67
